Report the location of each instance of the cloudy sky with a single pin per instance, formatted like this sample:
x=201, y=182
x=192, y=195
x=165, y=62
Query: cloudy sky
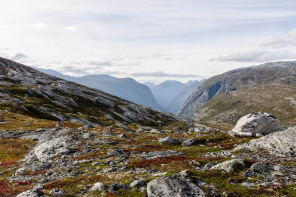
x=149, y=40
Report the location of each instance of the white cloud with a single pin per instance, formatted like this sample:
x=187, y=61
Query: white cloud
x=281, y=42
x=71, y=28
x=39, y=25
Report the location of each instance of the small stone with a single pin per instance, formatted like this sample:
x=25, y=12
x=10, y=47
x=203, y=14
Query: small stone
x=246, y=184
x=249, y=174
x=194, y=163
x=115, y=187
x=137, y=183
x=234, y=165
x=98, y=187
x=57, y=192
x=259, y=167
x=189, y=142
x=118, y=152
x=167, y=140
x=122, y=136
x=208, y=166
x=37, y=188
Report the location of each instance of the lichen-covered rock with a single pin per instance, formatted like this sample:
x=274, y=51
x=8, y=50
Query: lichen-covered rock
x=98, y=187
x=177, y=185
x=31, y=193
x=167, y=140
x=282, y=143
x=48, y=149
x=234, y=165
x=256, y=123
x=189, y=142
x=259, y=167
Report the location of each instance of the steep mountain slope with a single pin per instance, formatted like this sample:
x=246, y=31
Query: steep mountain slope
x=126, y=88
x=224, y=98
x=166, y=92
x=180, y=99
x=28, y=91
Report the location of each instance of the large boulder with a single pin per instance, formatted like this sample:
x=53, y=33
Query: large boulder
x=177, y=185
x=234, y=165
x=282, y=143
x=45, y=150
x=31, y=193
x=256, y=124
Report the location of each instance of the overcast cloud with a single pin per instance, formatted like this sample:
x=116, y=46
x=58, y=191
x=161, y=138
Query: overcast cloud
x=150, y=40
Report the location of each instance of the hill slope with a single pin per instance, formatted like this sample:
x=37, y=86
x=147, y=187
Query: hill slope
x=126, y=88
x=224, y=98
x=30, y=92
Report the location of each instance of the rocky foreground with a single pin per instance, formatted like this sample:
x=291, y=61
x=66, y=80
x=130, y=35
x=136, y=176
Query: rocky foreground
x=70, y=159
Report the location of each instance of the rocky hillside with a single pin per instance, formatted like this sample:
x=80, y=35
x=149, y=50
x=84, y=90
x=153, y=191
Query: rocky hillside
x=126, y=88
x=30, y=92
x=227, y=97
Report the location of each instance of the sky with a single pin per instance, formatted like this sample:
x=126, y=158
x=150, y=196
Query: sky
x=148, y=40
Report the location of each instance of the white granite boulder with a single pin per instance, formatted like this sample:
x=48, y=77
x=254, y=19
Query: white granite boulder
x=256, y=124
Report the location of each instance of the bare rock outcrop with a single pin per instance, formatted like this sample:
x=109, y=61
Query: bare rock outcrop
x=256, y=124
x=282, y=143
x=178, y=185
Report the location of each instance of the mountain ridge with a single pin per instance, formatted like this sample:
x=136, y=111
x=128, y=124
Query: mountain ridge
x=126, y=88
x=31, y=92
x=225, y=92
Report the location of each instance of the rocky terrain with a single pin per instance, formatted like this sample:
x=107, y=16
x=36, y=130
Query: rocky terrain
x=126, y=88
x=58, y=138
x=227, y=97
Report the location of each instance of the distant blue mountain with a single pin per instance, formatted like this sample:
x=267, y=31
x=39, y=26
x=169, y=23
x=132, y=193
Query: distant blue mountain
x=126, y=88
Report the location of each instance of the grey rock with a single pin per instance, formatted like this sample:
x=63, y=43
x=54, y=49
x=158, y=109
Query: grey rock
x=234, y=165
x=208, y=166
x=157, y=154
x=138, y=184
x=117, y=152
x=281, y=143
x=57, y=192
x=167, y=140
x=178, y=185
x=48, y=149
x=256, y=124
x=31, y=193
x=249, y=173
x=276, y=174
x=246, y=184
x=98, y=187
x=88, y=136
x=189, y=142
x=115, y=187
x=122, y=135
x=259, y=167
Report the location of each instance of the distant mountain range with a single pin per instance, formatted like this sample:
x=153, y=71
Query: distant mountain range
x=126, y=88
x=171, y=95
x=224, y=98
